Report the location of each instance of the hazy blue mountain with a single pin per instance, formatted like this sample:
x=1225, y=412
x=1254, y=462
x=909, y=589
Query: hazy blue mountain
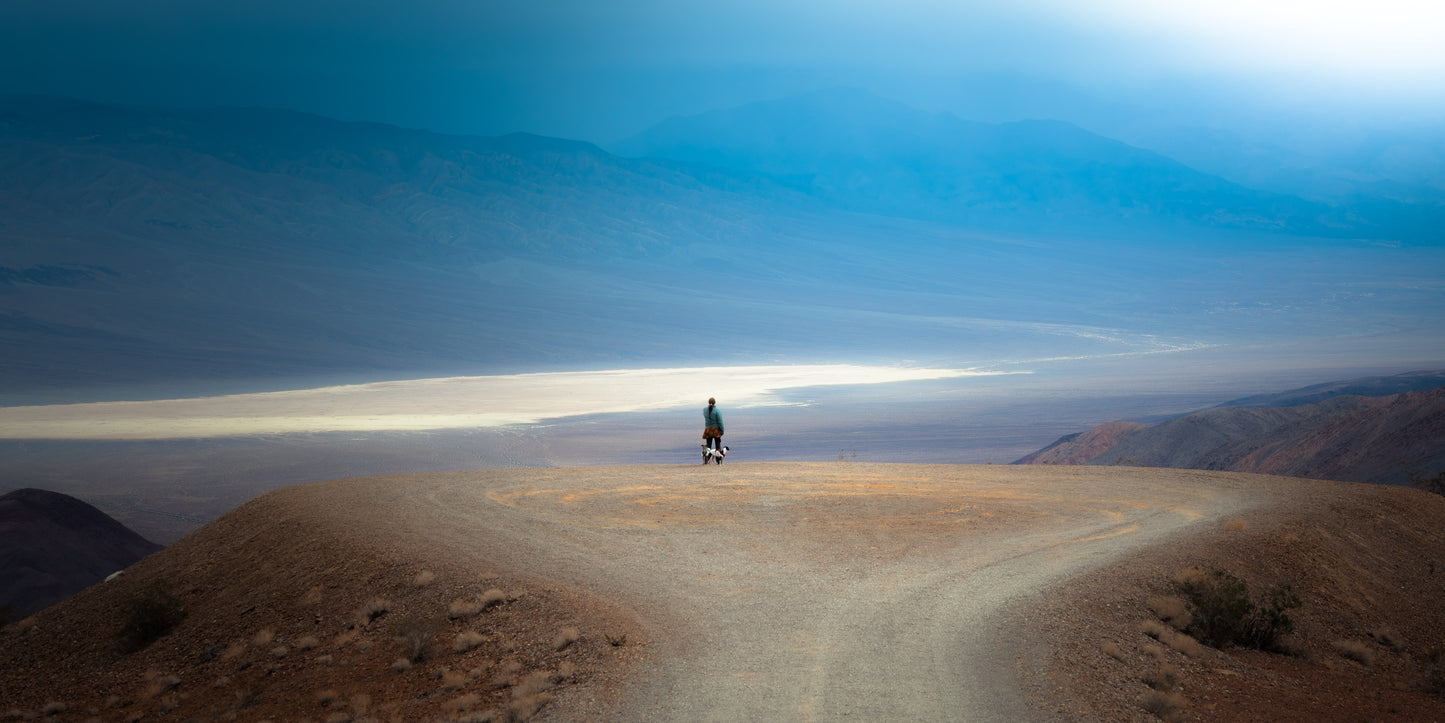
x=147, y=252
x=860, y=152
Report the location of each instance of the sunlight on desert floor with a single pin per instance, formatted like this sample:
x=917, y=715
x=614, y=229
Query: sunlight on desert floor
x=445, y=403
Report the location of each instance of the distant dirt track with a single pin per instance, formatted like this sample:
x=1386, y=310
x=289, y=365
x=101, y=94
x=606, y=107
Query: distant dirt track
x=803, y=591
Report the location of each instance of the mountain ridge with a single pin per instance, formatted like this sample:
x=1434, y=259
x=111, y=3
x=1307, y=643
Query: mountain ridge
x=1323, y=431
x=53, y=545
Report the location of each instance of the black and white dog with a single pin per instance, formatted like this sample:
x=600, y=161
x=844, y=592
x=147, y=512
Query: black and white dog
x=709, y=453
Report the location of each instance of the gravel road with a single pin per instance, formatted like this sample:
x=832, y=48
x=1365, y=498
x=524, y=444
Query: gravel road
x=787, y=591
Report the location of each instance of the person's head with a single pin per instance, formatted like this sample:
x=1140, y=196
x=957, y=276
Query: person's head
x=711, y=401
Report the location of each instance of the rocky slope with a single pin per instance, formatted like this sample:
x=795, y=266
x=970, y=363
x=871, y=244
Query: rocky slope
x=1350, y=438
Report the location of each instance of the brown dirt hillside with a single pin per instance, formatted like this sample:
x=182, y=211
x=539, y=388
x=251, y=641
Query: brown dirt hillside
x=1083, y=447
x=1368, y=563
x=377, y=599
x=1347, y=438
x=278, y=598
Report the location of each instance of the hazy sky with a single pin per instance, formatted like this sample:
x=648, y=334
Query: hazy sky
x=602, y=70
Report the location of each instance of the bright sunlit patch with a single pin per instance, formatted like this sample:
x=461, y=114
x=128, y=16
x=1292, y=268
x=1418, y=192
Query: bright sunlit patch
x=445, y=403
x=1380, y=38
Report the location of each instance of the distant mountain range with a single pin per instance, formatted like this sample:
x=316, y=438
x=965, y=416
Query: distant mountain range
x=1378, y=429
x=856, y=151
x=53, y=546
x=230, y=249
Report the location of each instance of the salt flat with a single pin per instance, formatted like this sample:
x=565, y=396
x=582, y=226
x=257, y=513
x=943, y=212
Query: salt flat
x=445, y=403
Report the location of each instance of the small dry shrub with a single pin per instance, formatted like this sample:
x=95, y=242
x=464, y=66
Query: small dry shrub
x=414, y=633
x=424, y=578
x=159, y=684
x=360, y=703
x=324, y=659
x=1185, y=644
x=306, y=643
x=53, y=708
x=263, y=638
x=507, y=675
x=565, y=637
x=350, y=636
x=615, y=642
x=1167, y=706
x=462, y=704
x=534, y=683
x=455, y=680
x=467, y=640
x=463, y=608
x=1171, y=610
x=167, y=704
x=1356, y=651
x=565, y=671
x=313, y=596
x=401, y=665
x=1154, y=629
x=1236, y=525
x=373, y=609
x=1163, y=677
x=233, y=650
x=1387, y=638
x=325, y=698
x=1112, y=649
x=280, y=651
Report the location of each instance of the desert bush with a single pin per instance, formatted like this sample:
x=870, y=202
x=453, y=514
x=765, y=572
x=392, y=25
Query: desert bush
x=615, y=642
x=1167, y=706
x=455, y=679
x=1171, y=610
x=373, y=609
x=424, y=578
x=159, y=684
x=1356, y=651
x=148, y=616
x=1387, y=638
x=1224, y=614
x=415, y=633
x=565, y=637
x=1112, y=649
x=468, y=639
x=1162, y=678
x=307, y=642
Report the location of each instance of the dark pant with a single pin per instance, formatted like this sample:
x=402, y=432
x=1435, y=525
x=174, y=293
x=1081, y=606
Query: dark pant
x=714, y=443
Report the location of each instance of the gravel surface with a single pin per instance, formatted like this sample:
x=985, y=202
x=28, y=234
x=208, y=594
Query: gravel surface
x=807, y=591
x=777, y=591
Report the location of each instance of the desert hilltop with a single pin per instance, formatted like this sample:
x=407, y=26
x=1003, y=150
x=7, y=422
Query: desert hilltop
x=778, y=591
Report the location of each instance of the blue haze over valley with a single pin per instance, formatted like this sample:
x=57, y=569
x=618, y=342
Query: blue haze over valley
x=1125, y=213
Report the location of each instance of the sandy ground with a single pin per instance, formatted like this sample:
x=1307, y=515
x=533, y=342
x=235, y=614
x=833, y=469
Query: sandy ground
x=807, y=592
x=769, y=591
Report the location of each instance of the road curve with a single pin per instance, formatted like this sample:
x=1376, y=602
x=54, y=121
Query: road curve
x=793, y=591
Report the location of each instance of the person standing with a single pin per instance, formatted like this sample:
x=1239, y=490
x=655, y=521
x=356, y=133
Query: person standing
x=712, y=431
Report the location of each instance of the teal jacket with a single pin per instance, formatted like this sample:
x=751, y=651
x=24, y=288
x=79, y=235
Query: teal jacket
x=711, y=417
